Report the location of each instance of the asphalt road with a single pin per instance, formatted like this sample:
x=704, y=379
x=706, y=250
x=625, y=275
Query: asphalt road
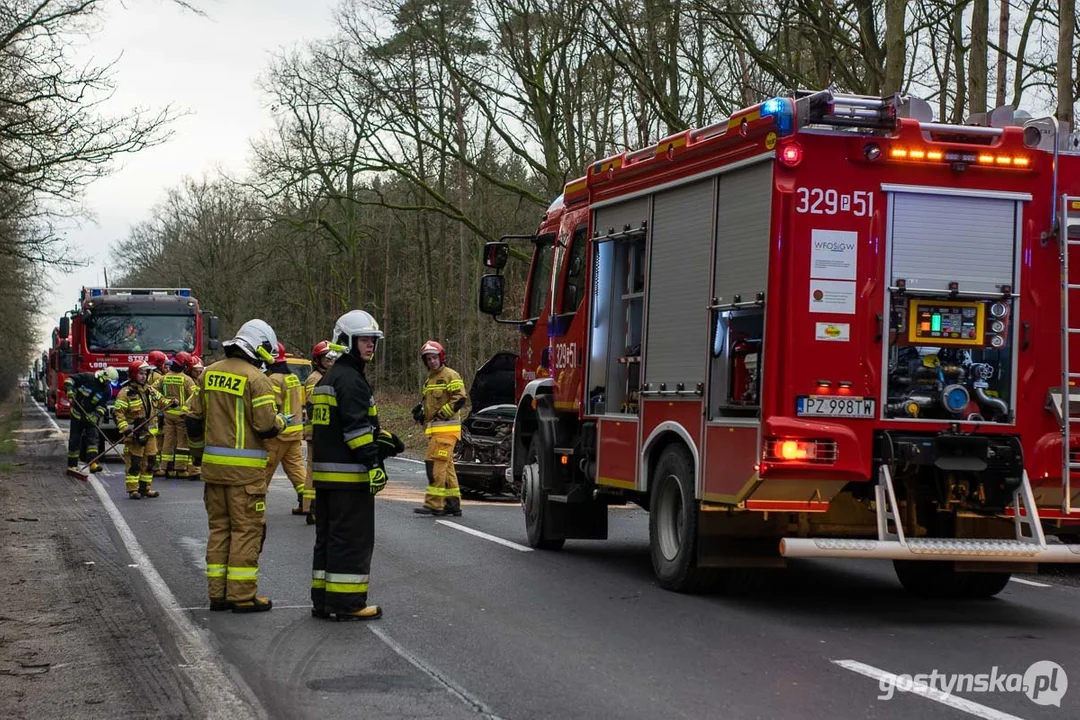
x=474, y=627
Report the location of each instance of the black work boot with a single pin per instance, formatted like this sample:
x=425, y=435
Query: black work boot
x=425, y=510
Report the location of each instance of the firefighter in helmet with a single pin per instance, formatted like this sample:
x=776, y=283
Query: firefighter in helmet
x=322, y=357
x=234, y=415
x=347, y=469
x=194, y=370
x=136, y=409
x=175, y=385
x=159, y=363
x=287, y=449
x=89, y=394
x=440, y=413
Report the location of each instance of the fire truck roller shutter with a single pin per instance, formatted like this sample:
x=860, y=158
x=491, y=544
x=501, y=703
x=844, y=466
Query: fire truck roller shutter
x=678, y=320
x=942, y=238
x=609, y=323
x=743, y=223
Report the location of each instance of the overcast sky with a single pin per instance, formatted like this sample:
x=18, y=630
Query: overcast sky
x=208, y=66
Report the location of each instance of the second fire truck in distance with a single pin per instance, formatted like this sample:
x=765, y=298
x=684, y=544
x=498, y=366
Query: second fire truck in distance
x=827, y=326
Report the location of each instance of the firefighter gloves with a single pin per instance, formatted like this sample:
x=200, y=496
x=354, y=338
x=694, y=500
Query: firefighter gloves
x=389, y=444
x=376, y=480
x=418, y=413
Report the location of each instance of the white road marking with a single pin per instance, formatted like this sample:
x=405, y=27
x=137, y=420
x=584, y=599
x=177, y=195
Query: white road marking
x=217, y=688
x=1032, y=583
x=492, y=538
x=930, y=693
x=408, y=460
x=48, y=417
x=453, y=688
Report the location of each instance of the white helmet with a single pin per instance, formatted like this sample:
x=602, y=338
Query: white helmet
x=354, y=324
x=257, y=339
x=109, y=374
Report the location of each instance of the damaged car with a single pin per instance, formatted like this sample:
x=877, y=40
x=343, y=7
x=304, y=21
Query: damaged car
x=482, y=456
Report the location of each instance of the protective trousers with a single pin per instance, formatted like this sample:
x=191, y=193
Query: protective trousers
x=174, y=449
x=442, y=490
x=344, y=540
x=309, y=485
x=80, y=437
x=290, y=454
x=237, y=530
x=140, y=461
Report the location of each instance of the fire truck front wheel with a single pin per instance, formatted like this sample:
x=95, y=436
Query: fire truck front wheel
x=534, y=499
x=673, y=523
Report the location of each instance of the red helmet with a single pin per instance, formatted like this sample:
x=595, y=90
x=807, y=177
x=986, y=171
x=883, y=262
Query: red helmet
x=433, y=348
x=280, y=357
x=135, y=367
x=181, y=359
x=157, y=359
x=321, y=350
x=193, y=361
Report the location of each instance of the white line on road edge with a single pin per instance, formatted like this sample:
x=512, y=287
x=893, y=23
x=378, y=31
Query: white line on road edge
x=1032, y=583
x=418, y=462
x=209, y=679
x=930, y=693
x=451, y=687
x=492, y=538
x=45, y=412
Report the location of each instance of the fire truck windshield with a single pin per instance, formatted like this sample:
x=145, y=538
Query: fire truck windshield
x=140, y=333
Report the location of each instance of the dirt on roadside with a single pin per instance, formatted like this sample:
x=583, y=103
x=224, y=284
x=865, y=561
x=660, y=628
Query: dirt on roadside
x=74, y=639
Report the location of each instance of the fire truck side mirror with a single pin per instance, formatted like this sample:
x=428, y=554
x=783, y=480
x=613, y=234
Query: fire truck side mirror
x=496, y=255
x=213, y=329
x=492, y=288
x=65, y=327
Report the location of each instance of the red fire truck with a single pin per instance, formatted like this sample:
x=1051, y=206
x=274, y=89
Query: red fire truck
x=824, y=327
x=111, y=327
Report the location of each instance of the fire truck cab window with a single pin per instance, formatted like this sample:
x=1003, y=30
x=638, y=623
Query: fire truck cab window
x=574, y=290
x=541, y=276
x=140, y=333
x=618, y=311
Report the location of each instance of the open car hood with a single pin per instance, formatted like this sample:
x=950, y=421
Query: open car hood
x=493, y=383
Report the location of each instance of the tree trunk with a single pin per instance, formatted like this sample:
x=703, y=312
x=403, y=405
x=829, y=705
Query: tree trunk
x=895, y=46
x=1002, y=53
x=958, y=62
x=1066, y=28
x=977, y=60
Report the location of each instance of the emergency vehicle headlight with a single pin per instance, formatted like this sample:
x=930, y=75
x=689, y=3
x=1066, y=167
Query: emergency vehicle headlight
x=782, y=112
x=872, y=151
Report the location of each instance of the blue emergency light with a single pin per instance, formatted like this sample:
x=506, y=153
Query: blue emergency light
x=95, y=292
x=782, y=112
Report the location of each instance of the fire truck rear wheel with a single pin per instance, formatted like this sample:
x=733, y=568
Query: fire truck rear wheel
x=673, y=523
x=534, y=500
x=940, y=580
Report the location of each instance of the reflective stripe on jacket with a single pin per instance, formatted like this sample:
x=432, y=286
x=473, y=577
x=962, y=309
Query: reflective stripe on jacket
x=289, y=396
x=345, y=423
x=444, y=391
x=236, y=405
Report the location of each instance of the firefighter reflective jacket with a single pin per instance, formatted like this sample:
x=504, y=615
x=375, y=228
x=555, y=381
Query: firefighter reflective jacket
x=345, y=423
x=232, y=414
x=153, y=377
x=444, y=396
x=309, y=388
x=289, y=396
x=176, y=386
x=134, y=404
x=91, y=394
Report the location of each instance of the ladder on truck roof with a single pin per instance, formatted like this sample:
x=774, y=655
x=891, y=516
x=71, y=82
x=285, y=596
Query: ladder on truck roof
x=1068, y=413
